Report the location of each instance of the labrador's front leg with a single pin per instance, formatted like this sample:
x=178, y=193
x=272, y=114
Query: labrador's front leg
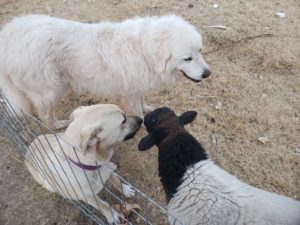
x=112, y=216
x=125, y=189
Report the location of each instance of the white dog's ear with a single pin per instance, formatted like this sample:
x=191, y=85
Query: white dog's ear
x=162, y=61
x=89, y=138
x=159, y=51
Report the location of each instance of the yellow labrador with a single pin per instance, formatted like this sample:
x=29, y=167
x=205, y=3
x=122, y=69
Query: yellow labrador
x=80, y=173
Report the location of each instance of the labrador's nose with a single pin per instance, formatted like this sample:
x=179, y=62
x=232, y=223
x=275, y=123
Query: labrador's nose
x=206, y=73
x=138, y=120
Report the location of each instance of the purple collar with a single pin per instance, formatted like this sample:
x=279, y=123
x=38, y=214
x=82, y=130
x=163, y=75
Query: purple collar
x=84, y=166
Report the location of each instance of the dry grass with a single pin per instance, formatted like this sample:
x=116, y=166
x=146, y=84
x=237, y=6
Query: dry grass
x=256, y=80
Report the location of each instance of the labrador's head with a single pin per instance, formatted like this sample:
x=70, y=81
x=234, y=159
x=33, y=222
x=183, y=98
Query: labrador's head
x=99, y=127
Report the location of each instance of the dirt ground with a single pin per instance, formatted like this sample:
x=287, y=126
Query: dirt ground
x=254, y=92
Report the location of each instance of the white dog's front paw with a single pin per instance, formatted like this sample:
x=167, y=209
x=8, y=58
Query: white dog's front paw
x=128, y=191
x=113, y=217
x=112, y=166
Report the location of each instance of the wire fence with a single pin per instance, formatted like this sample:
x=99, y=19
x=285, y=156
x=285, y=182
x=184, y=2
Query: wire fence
x=37, y=145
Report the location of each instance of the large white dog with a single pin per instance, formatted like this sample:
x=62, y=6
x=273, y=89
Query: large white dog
x=41, y=57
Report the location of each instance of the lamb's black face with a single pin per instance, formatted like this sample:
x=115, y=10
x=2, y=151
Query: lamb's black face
x=162, y=122
x=154, y=118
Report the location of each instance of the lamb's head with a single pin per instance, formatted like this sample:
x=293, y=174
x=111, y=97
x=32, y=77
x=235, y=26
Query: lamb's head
x=162, y=123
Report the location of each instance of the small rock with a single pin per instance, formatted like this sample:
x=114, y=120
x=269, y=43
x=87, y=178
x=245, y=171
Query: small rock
x=215, y=6
x=297, y=150
x=116, y=2
x=218, y=106
x=263, y=140
x=190, y=5
x=264, y=95
x=280, y=14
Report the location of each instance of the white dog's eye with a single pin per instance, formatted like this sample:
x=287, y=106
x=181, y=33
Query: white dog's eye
x=188, y=59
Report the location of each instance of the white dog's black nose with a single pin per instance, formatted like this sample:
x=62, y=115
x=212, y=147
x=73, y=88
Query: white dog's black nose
x=206, y=73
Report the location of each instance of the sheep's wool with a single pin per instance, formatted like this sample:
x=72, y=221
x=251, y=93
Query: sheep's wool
x=210, y=195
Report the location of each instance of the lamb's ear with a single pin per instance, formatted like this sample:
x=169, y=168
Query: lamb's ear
x=187, y=117
x=146, y=143
x=89, y=138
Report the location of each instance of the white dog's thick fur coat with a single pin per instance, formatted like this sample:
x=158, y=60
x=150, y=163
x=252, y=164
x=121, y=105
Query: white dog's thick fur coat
x=41, y=57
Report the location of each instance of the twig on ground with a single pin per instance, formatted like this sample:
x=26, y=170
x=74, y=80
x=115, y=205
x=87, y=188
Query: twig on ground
x=221, y=27
x=206, y=96
x=214, y=143
x=17, y=158
x=234, y=42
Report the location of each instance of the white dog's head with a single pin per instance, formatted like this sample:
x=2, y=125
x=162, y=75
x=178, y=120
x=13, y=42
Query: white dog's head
x=98, y=128
x=175, y=47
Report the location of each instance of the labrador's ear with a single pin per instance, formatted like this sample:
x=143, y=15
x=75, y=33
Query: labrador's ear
x=187, y=117
x=89, y=138
x=146, y=143
x=77, y=112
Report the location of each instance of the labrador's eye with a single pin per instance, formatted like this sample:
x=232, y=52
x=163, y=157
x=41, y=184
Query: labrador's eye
x=188, y=59
x=124, y=121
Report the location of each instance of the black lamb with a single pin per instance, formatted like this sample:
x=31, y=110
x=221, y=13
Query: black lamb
x=200, y=192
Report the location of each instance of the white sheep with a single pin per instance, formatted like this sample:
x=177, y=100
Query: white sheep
x=200, y=192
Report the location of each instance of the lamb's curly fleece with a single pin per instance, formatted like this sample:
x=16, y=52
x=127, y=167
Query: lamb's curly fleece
x=210, y=195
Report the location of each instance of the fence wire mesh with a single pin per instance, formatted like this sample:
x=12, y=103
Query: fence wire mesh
x=37, y=145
